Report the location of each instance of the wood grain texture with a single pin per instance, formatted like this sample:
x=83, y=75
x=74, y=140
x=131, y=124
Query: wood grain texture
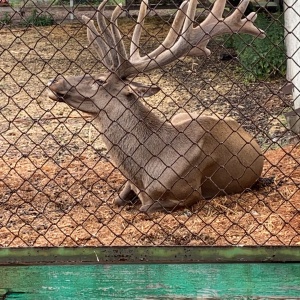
x=152, y=281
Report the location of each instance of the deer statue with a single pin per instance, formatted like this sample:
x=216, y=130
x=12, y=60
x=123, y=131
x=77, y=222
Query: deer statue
x=167, y=164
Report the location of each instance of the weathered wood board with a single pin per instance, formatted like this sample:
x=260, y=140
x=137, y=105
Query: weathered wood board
x=152, y=281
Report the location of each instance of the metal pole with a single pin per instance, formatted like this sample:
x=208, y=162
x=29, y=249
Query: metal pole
x=292, y=42
x=72, y=9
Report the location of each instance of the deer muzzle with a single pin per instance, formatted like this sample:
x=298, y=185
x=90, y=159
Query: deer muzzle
x=53, y=94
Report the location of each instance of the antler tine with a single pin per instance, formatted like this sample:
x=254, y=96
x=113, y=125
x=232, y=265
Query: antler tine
x=170, y=38
x=240, y=10
x=167, y=51
x=107, y=34
x=214, y=17
x=102, y=41
x=175, y=45
x=135, y=41
x=190, y=16
x=217, y=10
x=98, y=42
x=108, y=42
x=118, y=41
x=246, y=24
x=181, y=41
x=174, y=32
x=183, y=44
x=215, y=25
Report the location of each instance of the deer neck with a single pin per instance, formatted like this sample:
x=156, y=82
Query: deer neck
x=131, y=133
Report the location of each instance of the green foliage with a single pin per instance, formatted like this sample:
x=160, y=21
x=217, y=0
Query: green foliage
x=38, y=19
x=6, y=19
x=262, y=58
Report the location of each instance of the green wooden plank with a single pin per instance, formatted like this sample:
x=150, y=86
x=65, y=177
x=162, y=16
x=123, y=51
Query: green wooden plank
x=111, y=255
x=152, y=281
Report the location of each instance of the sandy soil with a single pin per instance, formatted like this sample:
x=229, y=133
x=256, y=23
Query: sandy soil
x=57, y=186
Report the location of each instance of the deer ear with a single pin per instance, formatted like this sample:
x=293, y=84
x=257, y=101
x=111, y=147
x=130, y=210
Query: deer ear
x=142, y=90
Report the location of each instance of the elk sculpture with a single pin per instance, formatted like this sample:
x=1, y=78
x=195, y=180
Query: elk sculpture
x=166, y=164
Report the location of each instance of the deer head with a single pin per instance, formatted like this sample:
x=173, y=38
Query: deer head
x=92, y=93
x=166, y=164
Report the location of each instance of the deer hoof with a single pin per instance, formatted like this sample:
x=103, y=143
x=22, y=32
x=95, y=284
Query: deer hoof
x=145, y=208
x=151, y=208
x=119, y=202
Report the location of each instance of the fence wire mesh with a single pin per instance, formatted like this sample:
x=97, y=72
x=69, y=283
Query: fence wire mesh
x=58, y=179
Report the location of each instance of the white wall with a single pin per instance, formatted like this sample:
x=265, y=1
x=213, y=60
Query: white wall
x=292, y=41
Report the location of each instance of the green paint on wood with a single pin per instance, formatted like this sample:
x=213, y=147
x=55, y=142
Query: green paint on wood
x=152, y=281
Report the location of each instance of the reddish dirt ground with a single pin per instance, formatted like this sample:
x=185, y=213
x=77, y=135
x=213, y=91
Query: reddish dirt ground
x=51, y=204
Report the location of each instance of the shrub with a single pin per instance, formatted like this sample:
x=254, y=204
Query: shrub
x=262, y=58
x=6, y=19
x=38, y=19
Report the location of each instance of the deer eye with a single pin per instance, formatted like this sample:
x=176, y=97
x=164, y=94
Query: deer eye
x=99, y=81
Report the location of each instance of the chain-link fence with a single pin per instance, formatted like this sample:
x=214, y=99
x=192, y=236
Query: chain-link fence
x=60, y=174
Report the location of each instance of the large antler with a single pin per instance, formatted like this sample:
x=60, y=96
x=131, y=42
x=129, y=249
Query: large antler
x=182, y=39
x=108, y=42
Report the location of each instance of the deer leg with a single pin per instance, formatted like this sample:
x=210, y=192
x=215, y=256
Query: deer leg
x=126, y=196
